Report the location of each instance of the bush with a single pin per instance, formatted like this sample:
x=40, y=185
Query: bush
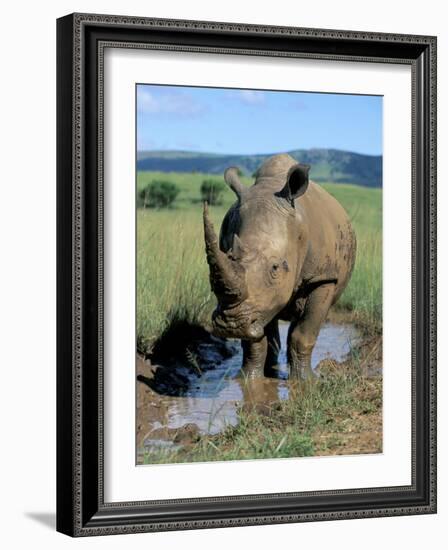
x=212, y=190
x=158, y=194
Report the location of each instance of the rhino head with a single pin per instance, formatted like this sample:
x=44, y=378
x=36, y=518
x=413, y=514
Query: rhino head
x=255, y=265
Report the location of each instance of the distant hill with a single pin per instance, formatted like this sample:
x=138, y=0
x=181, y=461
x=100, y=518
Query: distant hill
x=326, y=164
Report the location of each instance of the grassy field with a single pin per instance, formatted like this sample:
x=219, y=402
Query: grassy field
x=172, y=274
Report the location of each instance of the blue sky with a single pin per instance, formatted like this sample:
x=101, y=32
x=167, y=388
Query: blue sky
x=232, y=121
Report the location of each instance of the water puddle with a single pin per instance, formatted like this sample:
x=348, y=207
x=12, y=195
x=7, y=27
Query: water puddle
x=203, y=397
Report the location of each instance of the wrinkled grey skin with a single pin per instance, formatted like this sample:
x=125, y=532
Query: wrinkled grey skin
x=286, y=251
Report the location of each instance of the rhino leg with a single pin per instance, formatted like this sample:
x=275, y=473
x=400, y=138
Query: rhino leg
x=260, y=358
x=273, y=337
x=254, y=357
x=303, y=332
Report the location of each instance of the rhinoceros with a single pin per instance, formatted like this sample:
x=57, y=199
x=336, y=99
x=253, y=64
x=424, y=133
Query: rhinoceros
x=286, y=252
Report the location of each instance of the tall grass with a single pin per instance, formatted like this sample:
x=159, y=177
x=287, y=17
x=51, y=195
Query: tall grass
x=363, y=295
x=172, y=274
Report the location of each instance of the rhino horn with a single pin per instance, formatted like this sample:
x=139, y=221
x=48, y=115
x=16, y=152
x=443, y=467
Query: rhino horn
x=226, y=276
x=238, y=248
x=233, y=181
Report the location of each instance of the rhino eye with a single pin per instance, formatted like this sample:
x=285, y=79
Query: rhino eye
x=275, y=270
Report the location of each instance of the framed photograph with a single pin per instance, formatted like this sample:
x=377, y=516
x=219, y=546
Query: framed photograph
x=246, y=274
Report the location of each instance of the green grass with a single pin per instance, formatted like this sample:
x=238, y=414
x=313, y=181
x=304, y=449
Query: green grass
x=321, y=419
x=172, y=274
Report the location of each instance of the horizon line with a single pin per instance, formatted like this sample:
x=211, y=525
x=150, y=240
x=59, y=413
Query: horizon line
x=257, y=154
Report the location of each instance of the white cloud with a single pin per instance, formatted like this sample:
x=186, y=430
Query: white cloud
x=146, y=103
x=252, y=97
x=169, y=102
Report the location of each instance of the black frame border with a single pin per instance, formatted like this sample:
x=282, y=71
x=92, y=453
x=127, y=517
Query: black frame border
x=81, y=39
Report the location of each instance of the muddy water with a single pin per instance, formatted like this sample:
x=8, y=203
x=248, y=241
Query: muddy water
x=210, y=399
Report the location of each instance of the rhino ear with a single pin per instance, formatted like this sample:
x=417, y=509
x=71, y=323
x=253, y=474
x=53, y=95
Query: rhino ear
x=232, y=179
x=296, y=184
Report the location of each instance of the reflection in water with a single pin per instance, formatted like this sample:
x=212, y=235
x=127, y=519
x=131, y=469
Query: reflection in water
x=210, y=400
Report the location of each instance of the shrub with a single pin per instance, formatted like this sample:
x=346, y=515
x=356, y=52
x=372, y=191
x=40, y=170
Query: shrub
x=158, y=194
x=212, y=190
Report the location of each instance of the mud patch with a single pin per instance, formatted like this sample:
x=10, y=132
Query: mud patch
x=198, y=391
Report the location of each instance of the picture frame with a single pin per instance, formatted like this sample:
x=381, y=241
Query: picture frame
x=81, y=506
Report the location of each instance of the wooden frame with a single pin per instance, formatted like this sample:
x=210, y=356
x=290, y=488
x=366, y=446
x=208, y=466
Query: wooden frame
x=81, y=510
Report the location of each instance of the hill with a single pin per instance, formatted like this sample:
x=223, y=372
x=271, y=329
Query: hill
x=326, y=164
